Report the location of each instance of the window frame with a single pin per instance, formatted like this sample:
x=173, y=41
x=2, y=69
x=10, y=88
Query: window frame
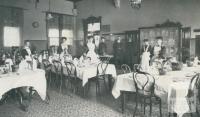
x=60, y=27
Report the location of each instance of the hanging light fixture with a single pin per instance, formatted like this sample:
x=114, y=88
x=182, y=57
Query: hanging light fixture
x=135, y=4
x=117, y=3
x=49, y=15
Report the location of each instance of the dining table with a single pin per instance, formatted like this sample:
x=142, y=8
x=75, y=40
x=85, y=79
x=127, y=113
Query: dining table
x=89, y=71
x=174, y=84
x=27, y=78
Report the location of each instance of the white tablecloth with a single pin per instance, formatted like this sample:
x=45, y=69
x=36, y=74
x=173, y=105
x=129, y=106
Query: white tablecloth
x=123, y=82
x=177, y=81
x=86, y=73
x=90, y=71
x=35, y=79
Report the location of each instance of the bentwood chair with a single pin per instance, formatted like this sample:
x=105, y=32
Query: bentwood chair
x=72, y=76
x=100, y=77
x=136, y=67
x=57, y=66
x=125, y=68
x=193, y=94
x=105, y=59
x=47, y=67
x=144, y=84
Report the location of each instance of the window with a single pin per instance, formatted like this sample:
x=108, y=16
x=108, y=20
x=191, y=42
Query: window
x=11, y=23
x=53, y=37
x=60, y=26
x=92, y=27
x=11, y=36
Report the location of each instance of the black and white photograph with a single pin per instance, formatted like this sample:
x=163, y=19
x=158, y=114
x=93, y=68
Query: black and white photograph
x=99, y=58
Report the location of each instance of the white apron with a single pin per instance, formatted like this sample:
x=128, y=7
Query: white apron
x=145, y=58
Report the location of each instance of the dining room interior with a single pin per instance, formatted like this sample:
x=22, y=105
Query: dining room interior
x=99, y=58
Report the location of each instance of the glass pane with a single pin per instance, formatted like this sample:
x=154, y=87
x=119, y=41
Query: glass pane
x=10, y=17
x=92, y=27
x=54, y=22
x=53, y=32
x=53, y=41
x=68, y=28
x=11, y=36
x=67, y=33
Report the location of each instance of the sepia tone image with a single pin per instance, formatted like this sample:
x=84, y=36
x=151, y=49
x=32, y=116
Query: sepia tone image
x=99, y=58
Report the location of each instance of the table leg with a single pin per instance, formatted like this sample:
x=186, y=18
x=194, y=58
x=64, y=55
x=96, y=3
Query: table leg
x=84, y=88
x=123, y=101
x=110, y=82
x=21, y=100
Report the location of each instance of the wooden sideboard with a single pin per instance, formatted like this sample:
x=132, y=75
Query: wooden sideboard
x=171, y=34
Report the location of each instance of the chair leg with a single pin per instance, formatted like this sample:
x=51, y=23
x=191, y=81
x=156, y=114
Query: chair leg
x=197, y=112
x=160, y=107
x=50, y=79
x=150, y=106
x=61, y=82
x=56, y=80
x=99, y=89
x=174, y=114
x=122, y=102
x=96, y=88
x=88, y=88
x=84, y=90
x=105, y=84
x=110, y=82
x=144, y=103
x=191, y=114
x=136, y=100
x=47, y=100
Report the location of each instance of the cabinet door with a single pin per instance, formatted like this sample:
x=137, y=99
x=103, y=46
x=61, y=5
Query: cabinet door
x=170, y=35
x=132, y=47
x=197, y=47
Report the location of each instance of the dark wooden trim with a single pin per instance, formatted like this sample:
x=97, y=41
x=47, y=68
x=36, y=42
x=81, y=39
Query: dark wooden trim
x=12, y=7
x=57, y=13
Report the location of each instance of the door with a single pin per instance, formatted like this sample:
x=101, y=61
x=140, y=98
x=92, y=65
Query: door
x=198, y=46
x=132, y=47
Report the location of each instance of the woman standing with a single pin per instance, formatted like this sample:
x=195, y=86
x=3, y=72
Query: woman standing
x=63, y=48
x=26, y=51
x=28, y=61
x=91, y=51
x=159, y=49
x=145, y=58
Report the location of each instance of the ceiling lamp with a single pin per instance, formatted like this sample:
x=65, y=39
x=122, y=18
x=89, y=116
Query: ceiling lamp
x=135, y=4
x=49, y=15
x=117, y=3
x=36, y=3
